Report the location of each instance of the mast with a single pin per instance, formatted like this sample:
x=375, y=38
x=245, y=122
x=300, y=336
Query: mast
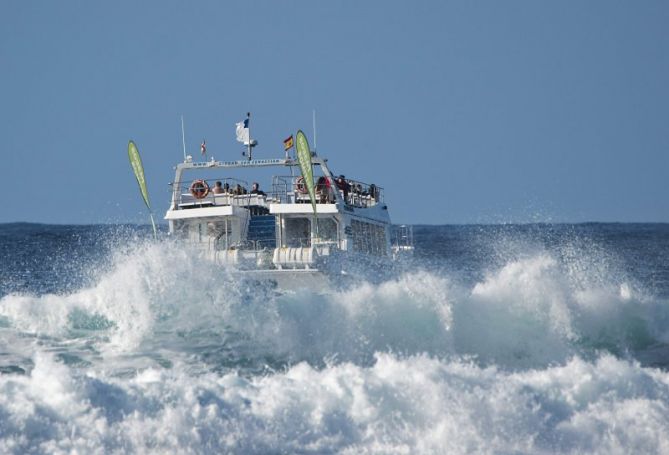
x=183, y=136
x=314, y=121
x=248, y=124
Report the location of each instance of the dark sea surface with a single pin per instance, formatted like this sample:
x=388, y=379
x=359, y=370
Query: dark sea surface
x=539, y=338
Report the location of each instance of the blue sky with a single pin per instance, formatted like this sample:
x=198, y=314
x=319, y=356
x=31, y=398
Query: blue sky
x=463, y=111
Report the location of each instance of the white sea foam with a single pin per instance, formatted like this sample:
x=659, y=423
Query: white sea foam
x=416, y=404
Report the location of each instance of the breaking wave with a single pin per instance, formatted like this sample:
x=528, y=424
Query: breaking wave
x=543, y=353
x=529, y=312
x=415, y=404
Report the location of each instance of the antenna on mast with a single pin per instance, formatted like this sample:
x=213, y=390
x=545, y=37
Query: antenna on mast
x=314, y=121
x=183, y=136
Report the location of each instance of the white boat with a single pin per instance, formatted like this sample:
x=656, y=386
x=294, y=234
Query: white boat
x=274, y=233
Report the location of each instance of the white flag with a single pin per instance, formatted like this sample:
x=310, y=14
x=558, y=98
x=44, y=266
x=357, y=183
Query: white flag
x=242, y=131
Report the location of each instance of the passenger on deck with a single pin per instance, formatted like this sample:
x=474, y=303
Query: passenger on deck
x=239, y=190
x=344, y=186
x=374, y=192
x=323, y=189
x=255, y=189
x=218, y=188
x=226, y=188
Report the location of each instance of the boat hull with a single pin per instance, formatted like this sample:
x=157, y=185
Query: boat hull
x=286, y=280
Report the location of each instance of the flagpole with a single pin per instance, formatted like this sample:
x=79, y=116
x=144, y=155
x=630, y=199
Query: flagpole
x=313, y=112
x=248, y=116
x=153, y=223
x=138, y=169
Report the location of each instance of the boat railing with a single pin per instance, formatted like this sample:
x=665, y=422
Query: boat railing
x=359, y=194
x=234, y=192
x=287, y=189
x=270, y=244
x=292, y=190
x=256, y=245
x=282, y=189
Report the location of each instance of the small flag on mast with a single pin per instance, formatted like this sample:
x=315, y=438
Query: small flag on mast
x=203, y=147
x=242, y=131
x=288, y=143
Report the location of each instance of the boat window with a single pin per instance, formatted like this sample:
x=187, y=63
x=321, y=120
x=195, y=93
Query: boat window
x=368, y=238
x=327, y=229
x=216, y=228
x=296, y=232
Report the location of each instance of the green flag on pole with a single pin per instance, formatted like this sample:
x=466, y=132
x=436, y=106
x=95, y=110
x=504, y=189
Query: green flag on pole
x=136, y=163
x=304, y=158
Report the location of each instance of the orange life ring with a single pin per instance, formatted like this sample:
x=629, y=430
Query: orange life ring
x=199, y=189
x=301, y=187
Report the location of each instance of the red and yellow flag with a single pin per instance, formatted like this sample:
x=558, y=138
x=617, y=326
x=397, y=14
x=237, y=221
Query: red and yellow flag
x=288, y=143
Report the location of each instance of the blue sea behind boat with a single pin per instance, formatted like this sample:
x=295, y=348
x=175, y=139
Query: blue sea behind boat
x=534, y=338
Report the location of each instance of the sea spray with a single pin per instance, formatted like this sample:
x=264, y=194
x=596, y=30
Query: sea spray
x=542, y=340
x=527, y=313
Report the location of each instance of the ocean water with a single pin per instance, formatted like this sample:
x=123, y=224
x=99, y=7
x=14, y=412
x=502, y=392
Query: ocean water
x=507, y=339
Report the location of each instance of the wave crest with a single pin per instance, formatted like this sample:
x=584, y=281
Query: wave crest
x=531, y=311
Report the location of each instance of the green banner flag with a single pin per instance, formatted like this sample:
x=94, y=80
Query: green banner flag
x=304, y=158
x=136, y=163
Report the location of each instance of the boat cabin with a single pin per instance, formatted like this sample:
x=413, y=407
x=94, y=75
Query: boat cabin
x=274, y=225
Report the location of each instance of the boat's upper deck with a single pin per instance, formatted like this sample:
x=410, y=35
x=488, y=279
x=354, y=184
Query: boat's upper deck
x=219, y=190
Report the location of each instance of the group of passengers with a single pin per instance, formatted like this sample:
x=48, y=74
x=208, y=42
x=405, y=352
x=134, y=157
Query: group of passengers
x=220, y=188
x=323, y=189
x=343, y=185
x=356, y=189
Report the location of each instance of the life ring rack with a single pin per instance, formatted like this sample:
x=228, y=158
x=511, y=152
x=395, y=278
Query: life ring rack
x=199, y=189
